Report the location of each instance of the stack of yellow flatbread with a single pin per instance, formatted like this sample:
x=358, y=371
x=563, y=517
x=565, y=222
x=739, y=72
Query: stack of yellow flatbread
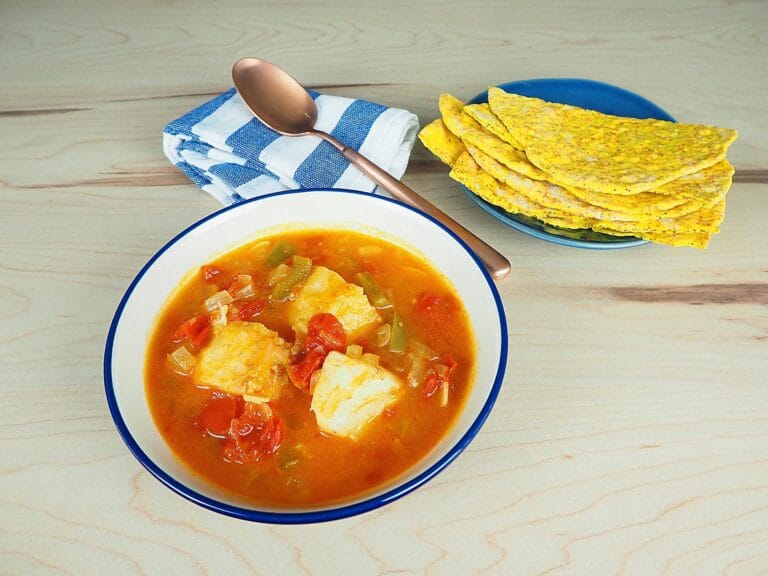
x=578, y=169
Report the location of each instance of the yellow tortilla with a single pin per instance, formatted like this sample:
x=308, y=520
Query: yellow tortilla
x=611, y=154
x=463, y=126
x=482, y=114
x=482, y=151
x=708, y=186
x=703, y=220
x=544, y=193
x=702, y=189
x=644, y=202
x=469, y=173
x=441, y=142
x=518, y=114
x=692, y=239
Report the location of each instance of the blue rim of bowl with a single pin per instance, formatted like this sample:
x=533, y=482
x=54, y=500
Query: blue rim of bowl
x=314, y=516
x=521, y=87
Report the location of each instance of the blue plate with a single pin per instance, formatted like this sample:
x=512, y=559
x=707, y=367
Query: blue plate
x=598, y=96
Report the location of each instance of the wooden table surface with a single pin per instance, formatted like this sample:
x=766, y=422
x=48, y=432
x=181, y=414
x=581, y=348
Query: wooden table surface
x=631, y=435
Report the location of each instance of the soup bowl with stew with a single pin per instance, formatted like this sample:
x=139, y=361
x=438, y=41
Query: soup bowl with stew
x=305, y=356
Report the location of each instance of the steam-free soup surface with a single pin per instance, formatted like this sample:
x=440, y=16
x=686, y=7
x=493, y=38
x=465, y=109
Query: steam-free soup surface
x=309, y=367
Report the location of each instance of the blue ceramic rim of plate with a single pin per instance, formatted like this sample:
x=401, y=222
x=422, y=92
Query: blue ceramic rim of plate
x=508, y=218
x=314, y=516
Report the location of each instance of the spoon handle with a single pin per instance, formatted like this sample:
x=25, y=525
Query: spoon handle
x=495, y=262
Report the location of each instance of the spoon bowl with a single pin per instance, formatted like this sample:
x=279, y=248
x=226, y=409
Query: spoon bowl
x=275, y=97
x=285, y=106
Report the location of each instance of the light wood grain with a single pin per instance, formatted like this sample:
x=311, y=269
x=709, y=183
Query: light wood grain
x=631, y=435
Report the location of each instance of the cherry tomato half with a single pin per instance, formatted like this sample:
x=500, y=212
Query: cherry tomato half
x=218, y=412
x=256, y=433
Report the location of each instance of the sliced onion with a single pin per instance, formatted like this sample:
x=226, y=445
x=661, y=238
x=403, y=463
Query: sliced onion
x=383, y=335
x=354, y=351
x=219, y=319
x=219, y=299
x=242, y=287
x=182, y=361
x=416, y=370
x=444, y=394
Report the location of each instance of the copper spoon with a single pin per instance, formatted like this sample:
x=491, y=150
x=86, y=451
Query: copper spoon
x=287, y=108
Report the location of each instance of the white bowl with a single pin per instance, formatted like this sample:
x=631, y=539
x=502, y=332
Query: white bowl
x=241, y=223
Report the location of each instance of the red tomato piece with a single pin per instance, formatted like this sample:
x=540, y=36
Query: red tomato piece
x=301, y=372
x=256, y=433
x=273, y=436
x=434, y=381
x=451, y=363
x=324, y=331
x=210, y=273
x=217, y=414
x=251, y=309
x=432, y=384
x=324, y=334
x=197, y=330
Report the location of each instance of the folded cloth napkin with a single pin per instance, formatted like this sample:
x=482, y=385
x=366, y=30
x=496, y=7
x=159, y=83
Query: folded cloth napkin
x=232, y=155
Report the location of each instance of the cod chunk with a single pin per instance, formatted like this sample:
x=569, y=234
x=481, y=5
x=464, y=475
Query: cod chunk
x=327, y=291
x=245, y=358
x=350, y=393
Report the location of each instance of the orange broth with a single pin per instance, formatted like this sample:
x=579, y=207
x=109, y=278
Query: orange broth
x=310, y=467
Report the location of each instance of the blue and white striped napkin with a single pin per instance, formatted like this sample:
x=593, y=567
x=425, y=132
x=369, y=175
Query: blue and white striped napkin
x=232, y=156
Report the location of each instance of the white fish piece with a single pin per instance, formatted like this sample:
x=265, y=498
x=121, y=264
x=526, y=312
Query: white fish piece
x=350, y=393
x=327, y=291
x=245, y=358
